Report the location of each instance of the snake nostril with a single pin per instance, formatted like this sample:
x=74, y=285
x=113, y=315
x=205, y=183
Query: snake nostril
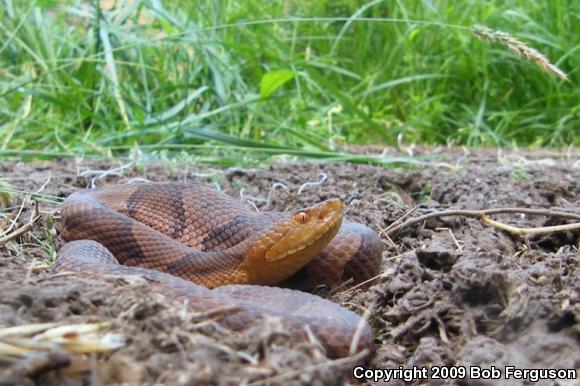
x=321, y=215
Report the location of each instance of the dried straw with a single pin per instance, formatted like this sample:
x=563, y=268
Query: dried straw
x=21, y=341
x=517, y=47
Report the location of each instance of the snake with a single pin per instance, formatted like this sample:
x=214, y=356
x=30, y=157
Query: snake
x=194, y=243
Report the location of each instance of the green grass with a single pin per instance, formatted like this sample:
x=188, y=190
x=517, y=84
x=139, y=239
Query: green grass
x=227, y=79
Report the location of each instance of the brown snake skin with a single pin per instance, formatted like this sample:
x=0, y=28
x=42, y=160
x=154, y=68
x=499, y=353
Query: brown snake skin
x=183, y=238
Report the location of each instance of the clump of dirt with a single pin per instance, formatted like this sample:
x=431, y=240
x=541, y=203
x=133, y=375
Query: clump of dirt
x=453, y=291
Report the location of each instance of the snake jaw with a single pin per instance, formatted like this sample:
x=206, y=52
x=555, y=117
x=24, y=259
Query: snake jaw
x=293, y=242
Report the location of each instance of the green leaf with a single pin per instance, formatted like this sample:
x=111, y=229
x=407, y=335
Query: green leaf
x=272, y=80
x=48, y=3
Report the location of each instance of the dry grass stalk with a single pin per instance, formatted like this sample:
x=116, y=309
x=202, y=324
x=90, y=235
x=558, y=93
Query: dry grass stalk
x=22, y=341
x=18, y=232
x=519, y=48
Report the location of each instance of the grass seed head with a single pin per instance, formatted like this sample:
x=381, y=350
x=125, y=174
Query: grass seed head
x=519, y=48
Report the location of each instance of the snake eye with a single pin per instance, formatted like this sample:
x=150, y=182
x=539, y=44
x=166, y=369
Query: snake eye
x=302, y=217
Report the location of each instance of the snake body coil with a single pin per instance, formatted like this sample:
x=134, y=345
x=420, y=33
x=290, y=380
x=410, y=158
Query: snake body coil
x=183, y=238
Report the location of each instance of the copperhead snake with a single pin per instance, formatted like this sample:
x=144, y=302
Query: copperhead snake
x=204, y=246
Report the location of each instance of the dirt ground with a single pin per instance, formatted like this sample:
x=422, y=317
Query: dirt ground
x=453, y=291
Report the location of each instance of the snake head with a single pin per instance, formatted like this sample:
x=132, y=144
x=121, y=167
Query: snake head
x=292, y=242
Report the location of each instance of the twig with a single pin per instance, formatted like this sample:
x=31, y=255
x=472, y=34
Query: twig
x=530, y=231
x=359, y=329
x=45, y=183
x=400, y=219
x=480, y=214
x=18, y=232
x=455, y=241
x=199, y=339
x=34, y=216
x=216, y=313
x=390, y=241
x=362, y=284
x=314, y=341
x=13, y=221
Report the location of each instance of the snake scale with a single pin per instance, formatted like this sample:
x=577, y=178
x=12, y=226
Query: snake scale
x=194, y=243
